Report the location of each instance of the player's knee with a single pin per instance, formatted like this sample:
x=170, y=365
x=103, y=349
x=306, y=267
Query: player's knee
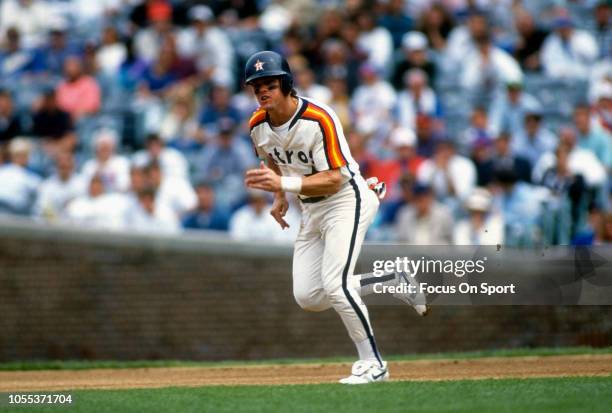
x=308, y=302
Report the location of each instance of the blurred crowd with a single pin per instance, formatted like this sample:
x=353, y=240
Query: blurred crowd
x=489, y=120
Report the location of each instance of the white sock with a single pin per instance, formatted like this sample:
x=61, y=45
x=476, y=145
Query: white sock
x=365, y=350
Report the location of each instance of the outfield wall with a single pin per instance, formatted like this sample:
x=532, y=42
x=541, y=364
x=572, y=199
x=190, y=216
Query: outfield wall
x=77, y=294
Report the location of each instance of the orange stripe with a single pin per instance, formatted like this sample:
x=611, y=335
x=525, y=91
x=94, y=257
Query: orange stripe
x=331, y=138
x=257, y=117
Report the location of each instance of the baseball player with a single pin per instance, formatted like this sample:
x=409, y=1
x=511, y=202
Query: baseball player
x=304, y=151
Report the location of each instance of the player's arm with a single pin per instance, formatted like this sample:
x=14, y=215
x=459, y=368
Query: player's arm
x=322, y=183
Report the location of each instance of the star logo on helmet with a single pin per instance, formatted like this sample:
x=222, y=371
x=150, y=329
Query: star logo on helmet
x=259, y=65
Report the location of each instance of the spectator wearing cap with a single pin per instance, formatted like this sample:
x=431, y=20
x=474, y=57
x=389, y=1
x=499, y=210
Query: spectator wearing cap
x=18, y=185
x=375, y=41
x=507, y=112
x=146, y=215
x=209, y=46
x=592, y=138
x=112, y=168
x=171, y=161
x=425, y=221
x=57, y=191
x=396, y=20
x=78, y=94
x=486, y=68
x=533, y=140
x=483, y=225
x=529, y=41
x=10, y=124
x=373, y=100
x=450, y=175
x=414, y=48
x=206, y=215
x=568, y=53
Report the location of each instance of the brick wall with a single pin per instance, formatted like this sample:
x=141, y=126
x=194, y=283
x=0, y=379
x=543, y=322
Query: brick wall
x=72, y=295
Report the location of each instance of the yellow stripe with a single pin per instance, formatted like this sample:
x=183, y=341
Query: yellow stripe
x=331, y=137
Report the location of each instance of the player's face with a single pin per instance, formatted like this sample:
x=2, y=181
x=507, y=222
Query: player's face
x=268, y=92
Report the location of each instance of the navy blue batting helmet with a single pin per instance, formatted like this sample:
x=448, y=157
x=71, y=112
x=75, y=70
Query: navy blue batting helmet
x=266, y=64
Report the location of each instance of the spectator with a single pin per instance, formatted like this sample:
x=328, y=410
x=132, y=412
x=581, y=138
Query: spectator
x=339, y=63
x=414, y=48
x=593, y=139
x=179, y=127
x=53, y=124
x=603, y=106
x=461, y=40
x=171, y=161
x=209, y=46
x=374, y=99
x=603, y=34
x=375, y=41
x=567, y=52
x=486, y=67
x=521, y=206
x=219, y=110
x=534, y=139
x=159, y=78
x=10, y=124
x=507, y=111
x=436, y=22
x=171, y=192
x=483, y=226
x=448, y=174
x=307, y=87
x=57, y=191
x=505, y=159
x=78, y=94
x=207, y=214
x=482, y=156
x=31, y=16
x=18, y=185
x=148, y=216
x=340, y=101
x=112, y=52
x=477, y=131
x=15, y=60
x=52, y=56
x=426, y=222
x=148, y=41
x=529, y=42
x=396, y=20
x=112, y=168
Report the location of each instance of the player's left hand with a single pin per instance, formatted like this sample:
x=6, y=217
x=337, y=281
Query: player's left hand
x=263, y=178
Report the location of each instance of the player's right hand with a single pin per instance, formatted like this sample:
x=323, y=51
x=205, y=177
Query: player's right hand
x=279, y=210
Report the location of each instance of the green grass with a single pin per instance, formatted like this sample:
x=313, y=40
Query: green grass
x=84, y=364
x=584, y=394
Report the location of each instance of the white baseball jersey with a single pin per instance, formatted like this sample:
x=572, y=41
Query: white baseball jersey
x=313, y=142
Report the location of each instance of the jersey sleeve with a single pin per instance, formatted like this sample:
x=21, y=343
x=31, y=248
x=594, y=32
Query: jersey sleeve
x=257, y=119
x=327, y=152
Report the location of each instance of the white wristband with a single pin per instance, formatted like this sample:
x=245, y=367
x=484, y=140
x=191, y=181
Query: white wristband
x=291, y=184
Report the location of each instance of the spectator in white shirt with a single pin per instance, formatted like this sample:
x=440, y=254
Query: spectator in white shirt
x=486, y=67
x=461, y=39
x=533, y=140
x=171, y=192
x=450, y=175
x=18, y=186
x=114, y=169
x=171, y=161
x=375, y=41
x=209, y=46
x=567, y=52
x=307, y=86
x=417, y=98
x=32, y=17
x=112, y=52
x=148, y=216
x=57, y=191
x=508, y=109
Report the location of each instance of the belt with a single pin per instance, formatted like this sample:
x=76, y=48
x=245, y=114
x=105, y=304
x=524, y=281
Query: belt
x=313, y=199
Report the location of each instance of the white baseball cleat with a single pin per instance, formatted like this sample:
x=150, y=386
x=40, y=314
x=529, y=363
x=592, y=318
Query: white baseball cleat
x=415, y=300
x=367, y=371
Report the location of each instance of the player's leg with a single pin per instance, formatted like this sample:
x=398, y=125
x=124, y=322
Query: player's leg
x=345, y=225
x=307, y=261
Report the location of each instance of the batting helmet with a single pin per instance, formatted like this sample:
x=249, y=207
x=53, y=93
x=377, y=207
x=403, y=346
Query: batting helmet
x=266, y=64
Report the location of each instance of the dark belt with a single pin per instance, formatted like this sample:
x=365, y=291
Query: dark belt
x=313, y=199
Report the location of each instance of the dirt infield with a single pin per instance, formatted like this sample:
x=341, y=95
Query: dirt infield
x=447, y=369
